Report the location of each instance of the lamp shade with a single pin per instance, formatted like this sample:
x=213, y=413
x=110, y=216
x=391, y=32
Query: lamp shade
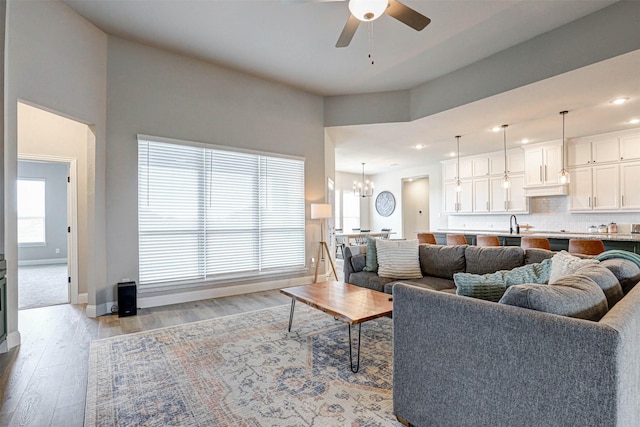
x=320, y=211
x=368, y=10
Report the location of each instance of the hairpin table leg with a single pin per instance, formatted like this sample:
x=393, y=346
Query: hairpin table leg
x=293, y=306
x=355, y=368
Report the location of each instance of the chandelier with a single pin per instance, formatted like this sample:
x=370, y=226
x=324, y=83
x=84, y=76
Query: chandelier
x=363, y=188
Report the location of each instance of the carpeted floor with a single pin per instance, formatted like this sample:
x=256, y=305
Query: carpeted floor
x=243, y=370
x=42, y=285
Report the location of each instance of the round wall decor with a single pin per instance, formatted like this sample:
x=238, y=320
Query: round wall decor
x=385, y=203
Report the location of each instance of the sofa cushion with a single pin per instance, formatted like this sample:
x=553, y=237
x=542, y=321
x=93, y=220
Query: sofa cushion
x=483, y=260
x=370, y=280
x=428, y=282
x=536, y=255
x=398, y=259
x=606, y=280
x=627, y=272
x=565, y=264
x=358, y=262
x=372, y=256
x=442, y=261
x=574, y=296
x=492, y=286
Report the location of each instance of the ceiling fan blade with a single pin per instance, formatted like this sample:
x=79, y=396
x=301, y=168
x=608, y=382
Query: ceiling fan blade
x=407, y=16
x=348, y=31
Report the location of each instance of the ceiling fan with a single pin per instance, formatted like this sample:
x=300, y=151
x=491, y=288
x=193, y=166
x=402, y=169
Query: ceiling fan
x=370, y=10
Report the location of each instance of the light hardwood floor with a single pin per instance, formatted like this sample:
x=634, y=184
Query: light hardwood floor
x=43, y=381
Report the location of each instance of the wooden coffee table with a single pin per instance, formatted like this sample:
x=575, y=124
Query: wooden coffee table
x=349, y=303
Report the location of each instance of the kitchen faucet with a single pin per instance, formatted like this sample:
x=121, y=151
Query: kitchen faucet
x=513, y=219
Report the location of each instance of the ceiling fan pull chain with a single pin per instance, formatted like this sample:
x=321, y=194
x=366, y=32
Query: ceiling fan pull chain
x=371, y=42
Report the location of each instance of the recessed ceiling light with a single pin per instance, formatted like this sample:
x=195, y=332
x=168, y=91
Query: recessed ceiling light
x=525, y=141
x=452, y=154
x=419, y=146
x=619, y=101
x=633, y=121
x=496, y=129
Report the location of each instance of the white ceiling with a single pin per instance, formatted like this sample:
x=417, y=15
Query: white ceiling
x=292, y=41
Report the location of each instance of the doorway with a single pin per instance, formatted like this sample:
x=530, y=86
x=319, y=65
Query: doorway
x=415, y=206
x=46, y=210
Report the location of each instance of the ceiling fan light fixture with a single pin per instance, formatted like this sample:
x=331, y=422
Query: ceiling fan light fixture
x=368, y=10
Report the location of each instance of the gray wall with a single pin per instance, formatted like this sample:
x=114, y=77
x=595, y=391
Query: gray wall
x=57, y=60
x=55, y=177
x=159, y=93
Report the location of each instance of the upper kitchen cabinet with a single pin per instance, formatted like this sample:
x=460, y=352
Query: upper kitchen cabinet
x=587, y=151
x=515, y=162
x=630, y=147
x=542, y=164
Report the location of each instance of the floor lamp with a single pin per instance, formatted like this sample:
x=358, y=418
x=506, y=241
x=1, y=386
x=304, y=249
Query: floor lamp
x=321, y=212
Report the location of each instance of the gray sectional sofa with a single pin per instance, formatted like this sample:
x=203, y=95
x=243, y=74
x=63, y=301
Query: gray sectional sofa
x=461, y=361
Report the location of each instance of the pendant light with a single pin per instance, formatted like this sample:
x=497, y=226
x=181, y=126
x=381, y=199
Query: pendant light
x=458, y=183
x=563, y=176
x=363, y=188
x=505, y=180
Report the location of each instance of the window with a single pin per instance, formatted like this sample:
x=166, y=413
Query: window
x=208, y=214
x=31, y=212
x=350, y=211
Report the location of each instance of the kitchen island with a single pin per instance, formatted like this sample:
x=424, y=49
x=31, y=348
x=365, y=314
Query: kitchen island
x=558, y=240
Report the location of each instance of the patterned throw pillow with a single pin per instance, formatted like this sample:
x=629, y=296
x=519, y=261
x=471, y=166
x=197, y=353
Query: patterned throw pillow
x=398, y=259
x=372, y=256
x=492, y=286
x=563, y=264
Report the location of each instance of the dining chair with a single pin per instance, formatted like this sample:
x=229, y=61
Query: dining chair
x=427, y=238
x=385, y=233
x=341, y=242
x=483, y=240
x=456, y=239
x=528, y=242
x=586, y=246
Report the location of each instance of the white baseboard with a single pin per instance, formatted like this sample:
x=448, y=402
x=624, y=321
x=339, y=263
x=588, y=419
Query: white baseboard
x=25, y=262
x=189, y=296
x=83, y=298
x=13, y=340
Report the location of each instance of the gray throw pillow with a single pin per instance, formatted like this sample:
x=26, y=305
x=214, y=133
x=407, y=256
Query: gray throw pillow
x=442, y=261
x=372, y=256
x=574, y=296
x=606, y=280
x=627, y=272
x=492, y=286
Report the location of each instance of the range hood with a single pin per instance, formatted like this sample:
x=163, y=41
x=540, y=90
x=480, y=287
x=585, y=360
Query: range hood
x=547, y=190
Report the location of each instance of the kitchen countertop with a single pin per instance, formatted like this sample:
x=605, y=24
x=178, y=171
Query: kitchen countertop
x=550, y=234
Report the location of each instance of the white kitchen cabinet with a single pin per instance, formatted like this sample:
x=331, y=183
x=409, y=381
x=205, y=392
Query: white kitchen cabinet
x=465, y=197
x=480, y=167
x=542, y=165
x=629, y=176
x=449, y=171
x=498, y=196
x=481, y=195
x=595, y=188
x=515, y=162
x=516, y=198
x=606, y=187
x=580, y=189
x=583, y=151
x=630, y=147
x=458, y=202
x=466, y=168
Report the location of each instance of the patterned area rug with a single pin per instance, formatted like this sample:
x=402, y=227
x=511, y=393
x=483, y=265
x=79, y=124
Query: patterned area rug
x=243, y=370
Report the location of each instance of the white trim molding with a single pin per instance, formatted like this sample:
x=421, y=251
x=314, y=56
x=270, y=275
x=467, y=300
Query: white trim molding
x=83, y=298
x=13, y=340
x=50, y=261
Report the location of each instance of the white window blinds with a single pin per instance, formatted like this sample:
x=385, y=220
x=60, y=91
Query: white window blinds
x=207, y=214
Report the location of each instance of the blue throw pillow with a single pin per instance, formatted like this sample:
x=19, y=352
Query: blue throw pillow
x=492, y=286
x=372, y=256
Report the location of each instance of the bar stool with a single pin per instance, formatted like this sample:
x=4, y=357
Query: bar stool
x=456, y=239
x=535, y=243
x=482, y=240
x=586, y=246
x=427, y=238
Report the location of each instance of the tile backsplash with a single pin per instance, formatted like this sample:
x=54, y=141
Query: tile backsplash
x=546, y=214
